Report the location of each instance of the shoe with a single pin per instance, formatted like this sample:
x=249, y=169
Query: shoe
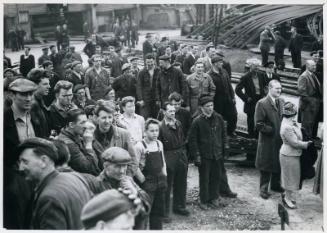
x=278, y=190
x=166, y=219
x=229, y=194
x=182, y=211
x=289, y=204
x=264, y=195
x=203, y=206
x=215, y=204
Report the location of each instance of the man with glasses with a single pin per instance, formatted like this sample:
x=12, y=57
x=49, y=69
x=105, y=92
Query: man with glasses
x=59, y=108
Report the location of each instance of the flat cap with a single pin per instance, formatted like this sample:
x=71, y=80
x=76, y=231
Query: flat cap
x=45, y=48
x=204, y=99
x=164, y=58
x=216, y=59
x=133, y=59
x=47, y=147
x=75, y=63
x=47, y=62
x=148, y=35
x=116, y=155
x=269, y=63
x=78, y=87
x=105, y=207
x=126, y=66
x=9, y=70
x=22, y=85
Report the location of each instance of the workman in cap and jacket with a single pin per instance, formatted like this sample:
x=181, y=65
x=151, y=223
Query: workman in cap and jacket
x=44, y=56
x=208, y=146
x=125, y=84
x=114, y=176
x=18, y=126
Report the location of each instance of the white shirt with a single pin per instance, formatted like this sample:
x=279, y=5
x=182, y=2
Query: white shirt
x=134, y=125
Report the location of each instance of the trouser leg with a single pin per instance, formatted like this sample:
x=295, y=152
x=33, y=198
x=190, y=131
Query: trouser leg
x=265, y=55
x=180, y=182
x=275, y=181
x=170, y=179
x=264, y=181
x=157, y=210
x=204, y=171
x=224, y=186
x=250, y=122
x=214, y=180
x=231, y=119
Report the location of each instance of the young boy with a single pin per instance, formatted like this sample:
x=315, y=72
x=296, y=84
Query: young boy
x=149, y=153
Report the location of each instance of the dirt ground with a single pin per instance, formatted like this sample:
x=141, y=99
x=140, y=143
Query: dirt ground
x=248, y=211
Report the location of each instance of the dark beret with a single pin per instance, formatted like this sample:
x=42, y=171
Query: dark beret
x=105, y=207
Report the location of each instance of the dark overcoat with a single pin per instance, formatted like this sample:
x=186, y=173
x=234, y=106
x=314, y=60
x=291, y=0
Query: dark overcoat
x=267, y=119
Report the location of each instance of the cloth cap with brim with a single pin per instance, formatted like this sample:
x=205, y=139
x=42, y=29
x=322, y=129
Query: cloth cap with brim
x=204, y=99
x=126, y=66
x=164, y=58
x=75, y=63
x=22, y=85
x=105, y=207
x=78, y=87
x=133, y=59
x=47, y=63
x=47, y=147
x=269, y=64
x=107, y=90
x=216, y=59
x=9, y=70
x=289, y=109
x=148, y=35
x=116, y=155
x=45, y=48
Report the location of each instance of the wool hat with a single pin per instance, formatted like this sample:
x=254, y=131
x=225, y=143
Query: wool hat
x=105, y=207
x=289, y=109
x=116, y=155
x=164, y=58
x=22, y=85
x=269, y=63
x=204, y=99
x=126, y=66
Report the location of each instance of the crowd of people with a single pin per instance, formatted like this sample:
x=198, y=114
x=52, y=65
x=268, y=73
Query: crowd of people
x=107, y=146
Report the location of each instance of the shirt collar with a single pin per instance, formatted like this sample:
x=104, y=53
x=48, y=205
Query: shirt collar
x=18, y=115
x=273, y=99
x=171, y=124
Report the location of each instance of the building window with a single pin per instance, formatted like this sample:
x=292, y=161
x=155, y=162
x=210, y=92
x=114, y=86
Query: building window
x=23, y=17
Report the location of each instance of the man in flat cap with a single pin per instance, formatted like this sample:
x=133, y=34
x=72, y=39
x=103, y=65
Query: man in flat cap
x=18, y=126
x=135, y=68
x=198, y=83
x=110, y=210
x=97, y=78
x=170, y=79
x=254, y=84
x=125, y=84
x=147, y=45
x=208, y=145
x=224, y=98
x=114, y=176
x=44, y=56
x=76, y=76
x=270, y=73
x=76, y=56
x=146, y=86
x=59, y=197
x=80, y=99
x=27, y=62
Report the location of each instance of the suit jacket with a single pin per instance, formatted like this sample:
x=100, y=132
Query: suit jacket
x=264, y=41
x=26, y=64
x=144, y=90
x=267, y=120
x=274, y=77
x=310, y=95
x=247, y=84
x=188, y=63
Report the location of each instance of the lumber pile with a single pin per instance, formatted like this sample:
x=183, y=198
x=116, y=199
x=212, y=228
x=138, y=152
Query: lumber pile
x=242, y=26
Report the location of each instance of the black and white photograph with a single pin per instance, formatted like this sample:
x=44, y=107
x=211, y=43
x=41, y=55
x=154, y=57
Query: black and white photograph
x=120, y=116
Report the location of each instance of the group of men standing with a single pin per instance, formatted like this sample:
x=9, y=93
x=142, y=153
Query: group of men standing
x=75, y=131
x=16, y=38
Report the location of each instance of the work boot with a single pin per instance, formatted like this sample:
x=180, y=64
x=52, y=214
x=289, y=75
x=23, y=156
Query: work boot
x=216, y=204
x=203, y=206
x=182, y=211
x=229, y=194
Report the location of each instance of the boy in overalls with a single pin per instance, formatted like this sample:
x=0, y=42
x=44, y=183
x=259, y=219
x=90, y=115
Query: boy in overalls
x=152, y=173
